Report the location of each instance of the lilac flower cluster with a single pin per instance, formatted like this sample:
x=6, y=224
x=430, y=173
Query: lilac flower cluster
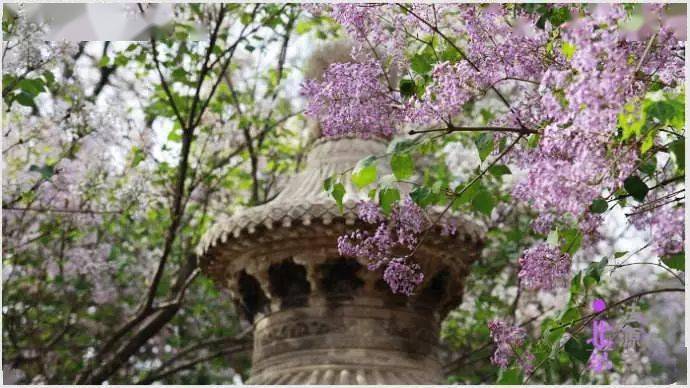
x=599, y=360
x=357, y=19
x=666, y=224
x=369, y=212
x=497, y=52
x=401, y=277
x=544, y=267
x=401, y=231
x=352, y=99
x=508, y=339
x=581, y=97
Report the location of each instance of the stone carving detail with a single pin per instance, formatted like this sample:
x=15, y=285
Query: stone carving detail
x=294, y=330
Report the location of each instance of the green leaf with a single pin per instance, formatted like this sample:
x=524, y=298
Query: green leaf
x=512, y=376
x=303, y=27
x=121, y=60
x=487, y=115
x=175, y=135
x=649, y=166
x=664, y=111
x=25, y=99
x=570, y=315
x=676, y=261
x=636, y=187
x=246, y=18
x=103, y=62
x=648, y=142
x=400, y=145
x=407, y=87
x=422, y=196
x=568, y=50
x=678, y=150
x=364, y=172
x=468, y=194
x=632, y=119
x=402, y=165
x=49, y=77
x=328, y=184
x=338, y=192
x=599, y=206
x=138, y=156
x=483, y=202
x=33, y=87
x=575, y=285
x=46, y=171
x=420, y=64
x=577, y=350
x=387, y=197
x=553, y=237
x=594, y=271
x=179, y=75
x=499, y=169
x=533, y=140
x=572, y=239
x=485, y=144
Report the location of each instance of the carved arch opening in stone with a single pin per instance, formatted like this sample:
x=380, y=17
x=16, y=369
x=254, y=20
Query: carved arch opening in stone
x=340, y=279
x=252, y=299
x=288, y=281
x=434, y=293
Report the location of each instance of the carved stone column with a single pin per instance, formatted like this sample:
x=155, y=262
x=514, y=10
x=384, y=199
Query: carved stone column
x=324, y=319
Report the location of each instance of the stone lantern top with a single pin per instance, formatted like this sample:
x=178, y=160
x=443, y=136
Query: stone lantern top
x=304, y=200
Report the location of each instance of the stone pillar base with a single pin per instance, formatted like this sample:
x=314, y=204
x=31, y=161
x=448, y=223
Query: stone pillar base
x=346, y=342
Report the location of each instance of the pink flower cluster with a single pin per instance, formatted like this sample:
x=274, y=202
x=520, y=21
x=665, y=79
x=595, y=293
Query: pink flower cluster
x=352, y=99
x=544, y=267
x=508, y=339
x=401, y=231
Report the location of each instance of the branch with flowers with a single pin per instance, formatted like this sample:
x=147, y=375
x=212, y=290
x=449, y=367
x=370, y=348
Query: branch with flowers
x=568, y=115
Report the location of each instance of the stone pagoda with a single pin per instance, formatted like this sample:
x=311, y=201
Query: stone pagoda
x=319, y=318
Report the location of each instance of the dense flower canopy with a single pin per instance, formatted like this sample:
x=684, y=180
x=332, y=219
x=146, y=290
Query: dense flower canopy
x=585, y=109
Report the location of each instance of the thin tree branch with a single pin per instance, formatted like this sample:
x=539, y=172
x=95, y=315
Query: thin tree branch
x=451, y=128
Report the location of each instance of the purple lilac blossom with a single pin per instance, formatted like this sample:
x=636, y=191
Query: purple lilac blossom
x=599, y=360
x=352, y=99
x=508, y=338
x=369, y=212
x=598, y=305
x=544, y=267
x=402, y=229
x=666, y=225
x=401, y=277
